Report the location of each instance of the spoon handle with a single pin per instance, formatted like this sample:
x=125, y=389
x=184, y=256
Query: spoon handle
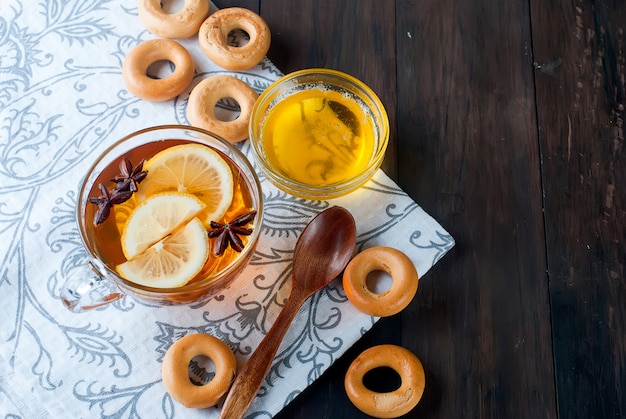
x=253, y=372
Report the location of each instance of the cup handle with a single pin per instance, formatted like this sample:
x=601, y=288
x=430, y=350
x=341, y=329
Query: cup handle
x=87, y=288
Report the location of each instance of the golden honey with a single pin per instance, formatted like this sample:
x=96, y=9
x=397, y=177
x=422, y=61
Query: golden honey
x=319, y=137
x=318, y=133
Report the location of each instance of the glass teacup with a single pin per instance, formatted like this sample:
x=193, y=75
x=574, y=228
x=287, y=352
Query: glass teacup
x=102, y=225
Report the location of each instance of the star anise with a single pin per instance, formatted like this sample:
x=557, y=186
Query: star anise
x=106, y=200
x=130, y=177
x=228, y=234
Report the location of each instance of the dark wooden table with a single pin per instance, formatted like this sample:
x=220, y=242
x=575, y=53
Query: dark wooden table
x=507, y=127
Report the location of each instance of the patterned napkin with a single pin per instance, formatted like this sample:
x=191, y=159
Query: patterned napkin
x=62, y=101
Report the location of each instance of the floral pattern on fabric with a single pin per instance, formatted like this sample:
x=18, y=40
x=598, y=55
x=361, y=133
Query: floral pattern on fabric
x=62, y=102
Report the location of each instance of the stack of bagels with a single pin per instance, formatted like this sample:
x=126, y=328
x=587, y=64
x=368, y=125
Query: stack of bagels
x=213, y=31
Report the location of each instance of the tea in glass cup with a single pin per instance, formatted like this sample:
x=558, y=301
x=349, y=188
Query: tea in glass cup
x=169, y=215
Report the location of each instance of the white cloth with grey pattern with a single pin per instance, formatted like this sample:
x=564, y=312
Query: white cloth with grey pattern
x=62, y=101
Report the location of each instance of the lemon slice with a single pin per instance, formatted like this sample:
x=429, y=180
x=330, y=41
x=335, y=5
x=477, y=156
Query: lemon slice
x=171, y=262
x=195, y=169
x=155, y=218
x=122, y=211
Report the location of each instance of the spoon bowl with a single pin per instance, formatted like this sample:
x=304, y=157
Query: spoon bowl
x=323, y=250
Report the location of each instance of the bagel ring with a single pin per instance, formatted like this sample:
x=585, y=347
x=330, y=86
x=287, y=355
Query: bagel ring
x=181, y=24
x=175, y=370
x=213, y=38
x=389, y=260
x=391, y=404
x=204, y=97
x=136, y=63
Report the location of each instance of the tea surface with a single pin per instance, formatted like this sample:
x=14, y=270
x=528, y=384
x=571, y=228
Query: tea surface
x=106, y=237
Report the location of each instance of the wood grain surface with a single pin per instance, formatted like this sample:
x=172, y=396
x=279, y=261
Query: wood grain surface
x=580, y=79
x=507, y=127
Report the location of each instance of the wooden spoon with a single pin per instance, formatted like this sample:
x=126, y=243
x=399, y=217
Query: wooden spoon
x=323, y=250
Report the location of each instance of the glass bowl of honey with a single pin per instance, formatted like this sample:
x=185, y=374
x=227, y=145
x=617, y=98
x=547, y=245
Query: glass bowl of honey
x=318, y=133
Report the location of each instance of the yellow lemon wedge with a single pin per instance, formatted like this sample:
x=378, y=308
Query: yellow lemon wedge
x=195, y=169
x=155, y=218
x=171, y=262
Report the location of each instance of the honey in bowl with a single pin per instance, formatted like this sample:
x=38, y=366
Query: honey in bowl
x=318, y=133
x=319, y=137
